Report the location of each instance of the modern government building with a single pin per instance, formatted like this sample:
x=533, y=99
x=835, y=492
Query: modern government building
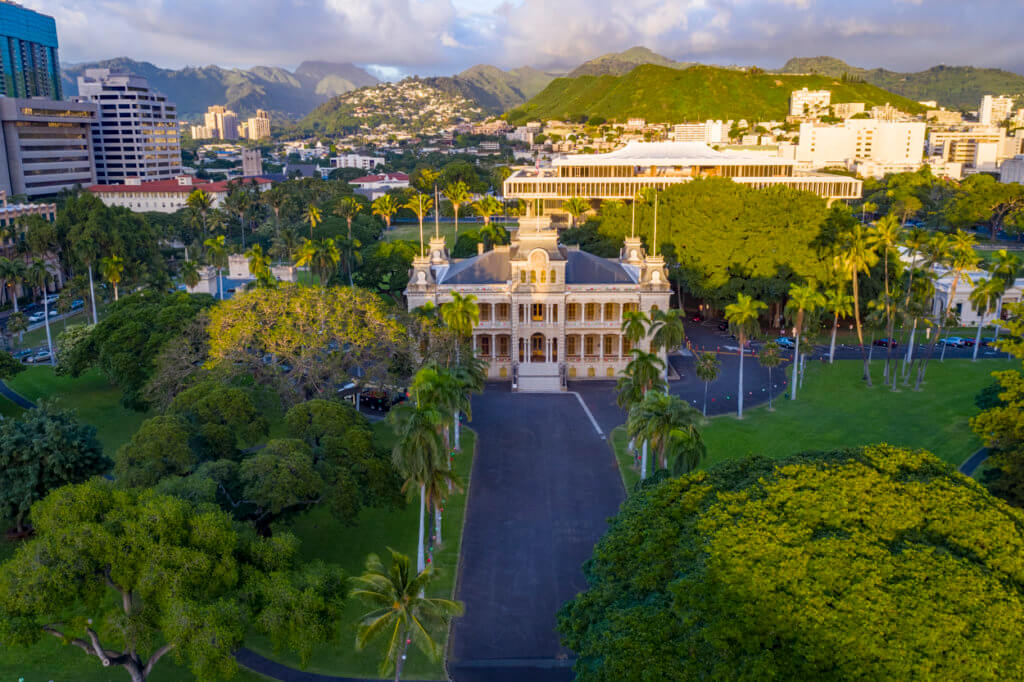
x=623, y=173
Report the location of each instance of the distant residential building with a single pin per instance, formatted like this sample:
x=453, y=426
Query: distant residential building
x=944, y=117
x=9, y=213
x=520, y=134
x=845, y=110
x=621, y=174
x=373, y=186
x=806, y=102
x=28, y=53
x=928, y=103
x=974, y=147
x=898, y=144
x=167, y=196
x=709, y=132
x=258, y=127
x=357, y=161
x=136, y=135
x=495, y=127
x=886, y=112
x=222, y=122
x=252, y=162
x=635, y=123
x=490, y=147
x=45, y=145
x=1012, y=170
x=202, y=132
x=994, y=110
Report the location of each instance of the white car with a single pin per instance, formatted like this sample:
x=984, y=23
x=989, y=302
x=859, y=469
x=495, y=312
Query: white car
x=37, y=316
x=40, y=356
x=954, y=341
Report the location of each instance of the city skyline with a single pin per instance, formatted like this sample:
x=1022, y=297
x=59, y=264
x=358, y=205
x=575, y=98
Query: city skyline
x=394, y=38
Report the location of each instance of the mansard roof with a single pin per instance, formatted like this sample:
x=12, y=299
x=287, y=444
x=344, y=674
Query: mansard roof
x=494, y=267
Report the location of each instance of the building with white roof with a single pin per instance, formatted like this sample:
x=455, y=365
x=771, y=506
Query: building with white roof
x=621, y=174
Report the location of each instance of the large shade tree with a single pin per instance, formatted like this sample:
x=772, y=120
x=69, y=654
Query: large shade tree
x=129, y=577
x=878, y=563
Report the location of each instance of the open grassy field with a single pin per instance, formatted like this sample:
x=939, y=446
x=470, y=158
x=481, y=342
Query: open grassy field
x=836, y=410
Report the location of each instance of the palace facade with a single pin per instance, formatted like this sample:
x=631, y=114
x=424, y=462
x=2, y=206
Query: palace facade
x=548, y=312
x=623, y=173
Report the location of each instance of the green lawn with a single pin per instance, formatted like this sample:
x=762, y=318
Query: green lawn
x=97, y=402
x=348, y=546
x=835, y=409
x=411, y=232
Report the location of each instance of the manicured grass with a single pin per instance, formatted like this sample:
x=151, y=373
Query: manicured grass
x=375, y=531
x=97, y=402
x=411, y=232
x=834, y=409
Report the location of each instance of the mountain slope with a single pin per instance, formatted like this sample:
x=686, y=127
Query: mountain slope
x=275, y=89
x=493, y=89
x=672, y=95
x=621, y=63
x=956, y=87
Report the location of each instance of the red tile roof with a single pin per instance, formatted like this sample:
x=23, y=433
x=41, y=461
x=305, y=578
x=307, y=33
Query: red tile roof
x=174, y=186
x=386, y=177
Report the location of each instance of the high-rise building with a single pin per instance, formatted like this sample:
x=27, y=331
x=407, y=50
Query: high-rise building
x=222, y=122
x=136, y=135
x=883, y=142
x=45, y=145
x=28, y=53
x=994, y=110
x=259, y=125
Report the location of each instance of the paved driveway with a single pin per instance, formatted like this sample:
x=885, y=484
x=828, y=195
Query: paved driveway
x=543, y=486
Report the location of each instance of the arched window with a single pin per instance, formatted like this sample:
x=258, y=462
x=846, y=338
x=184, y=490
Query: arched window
x=543, y=277
x=533, y=276
x=553, y=276
x=522, y=276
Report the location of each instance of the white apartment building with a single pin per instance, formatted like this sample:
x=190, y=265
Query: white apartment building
x=708, y=132
x=994, y=110
x=845, y=110
x=222, y=122
x=357, y=161
x=136, y=132
x=168, y=196
x=258, y=127
x=201, y=132
x=882, y=142
x=978, y=147
x=373, y=186
x=805, y=102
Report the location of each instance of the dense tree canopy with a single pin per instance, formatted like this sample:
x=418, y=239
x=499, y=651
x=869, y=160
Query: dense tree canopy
x=126, y=342
x=307, y=341
x=878, y=563
x=43, y=449
x=129, y=576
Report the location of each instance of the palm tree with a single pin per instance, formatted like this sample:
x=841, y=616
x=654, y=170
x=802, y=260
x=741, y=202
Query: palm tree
x=1005, y=267
x=471, y=374
x=420, y=204
x=200, y=203
x=645, y=372
x=485, y=207
x=575, y=207
x=657, y=416
x=190, y=274
x=493, y=234
x=313, y=217
x=385, y=207
x=417, y=451
x=259, y=263
x=436, y=388
x=401, y=615
x=742, y=318
x=867, y=207
x=275, y=198
x=462, y=315
x=961, y=260
x=321, y=257
x=286, y=244
x=17, y=323
x=634, y=326
x=803, y=299
x=914, y=241
x=855, y=255
x=458, y=194
x=667, y=331
x=436, y=488
x=39, y=275
x=707, y=368
x=770, y=358
x=238, y=204
x=883, y=238
x=840, y=304
x=985, y=299
x=12, y=271
x=217, y=255
x=111, y=269
x=348, y=208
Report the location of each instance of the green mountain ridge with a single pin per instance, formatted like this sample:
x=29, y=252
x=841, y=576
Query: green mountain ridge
x=955, y=87
x=194, y=88
x=673, y=95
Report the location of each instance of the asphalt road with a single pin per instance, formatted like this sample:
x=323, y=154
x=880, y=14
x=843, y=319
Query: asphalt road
x=543, y=486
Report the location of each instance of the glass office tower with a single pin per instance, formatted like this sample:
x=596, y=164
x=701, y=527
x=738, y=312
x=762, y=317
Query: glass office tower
x=28, y=53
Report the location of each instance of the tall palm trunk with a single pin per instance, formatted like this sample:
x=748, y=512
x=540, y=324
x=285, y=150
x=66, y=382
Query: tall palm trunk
x=977, y=339
x=832, y=343
x=705, y=411
x=421, y=561
x=457, y=414
x=910, y=354
x=437, y=524
x=92, y=296
x=860, y=333
x=220, y=284
x=115, y=290
x=739, y=401
x=796, y=373
x=643, y=461
x=46, y=323
x=923, y=366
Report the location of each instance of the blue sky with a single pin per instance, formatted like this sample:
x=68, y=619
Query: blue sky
x=402, y=37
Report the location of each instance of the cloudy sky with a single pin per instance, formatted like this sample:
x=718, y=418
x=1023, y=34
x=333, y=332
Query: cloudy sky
x=445, y=36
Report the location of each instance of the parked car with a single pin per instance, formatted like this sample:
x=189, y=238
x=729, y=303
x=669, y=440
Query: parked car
x=40, y=356
x=955, y=341
x=785, y=342
x=886, y=342
x=22, y=354
x=379, y=400
x=722, y=325
x=987, y=341
x=37, y=316
x=52, y=298
x=77, y=304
